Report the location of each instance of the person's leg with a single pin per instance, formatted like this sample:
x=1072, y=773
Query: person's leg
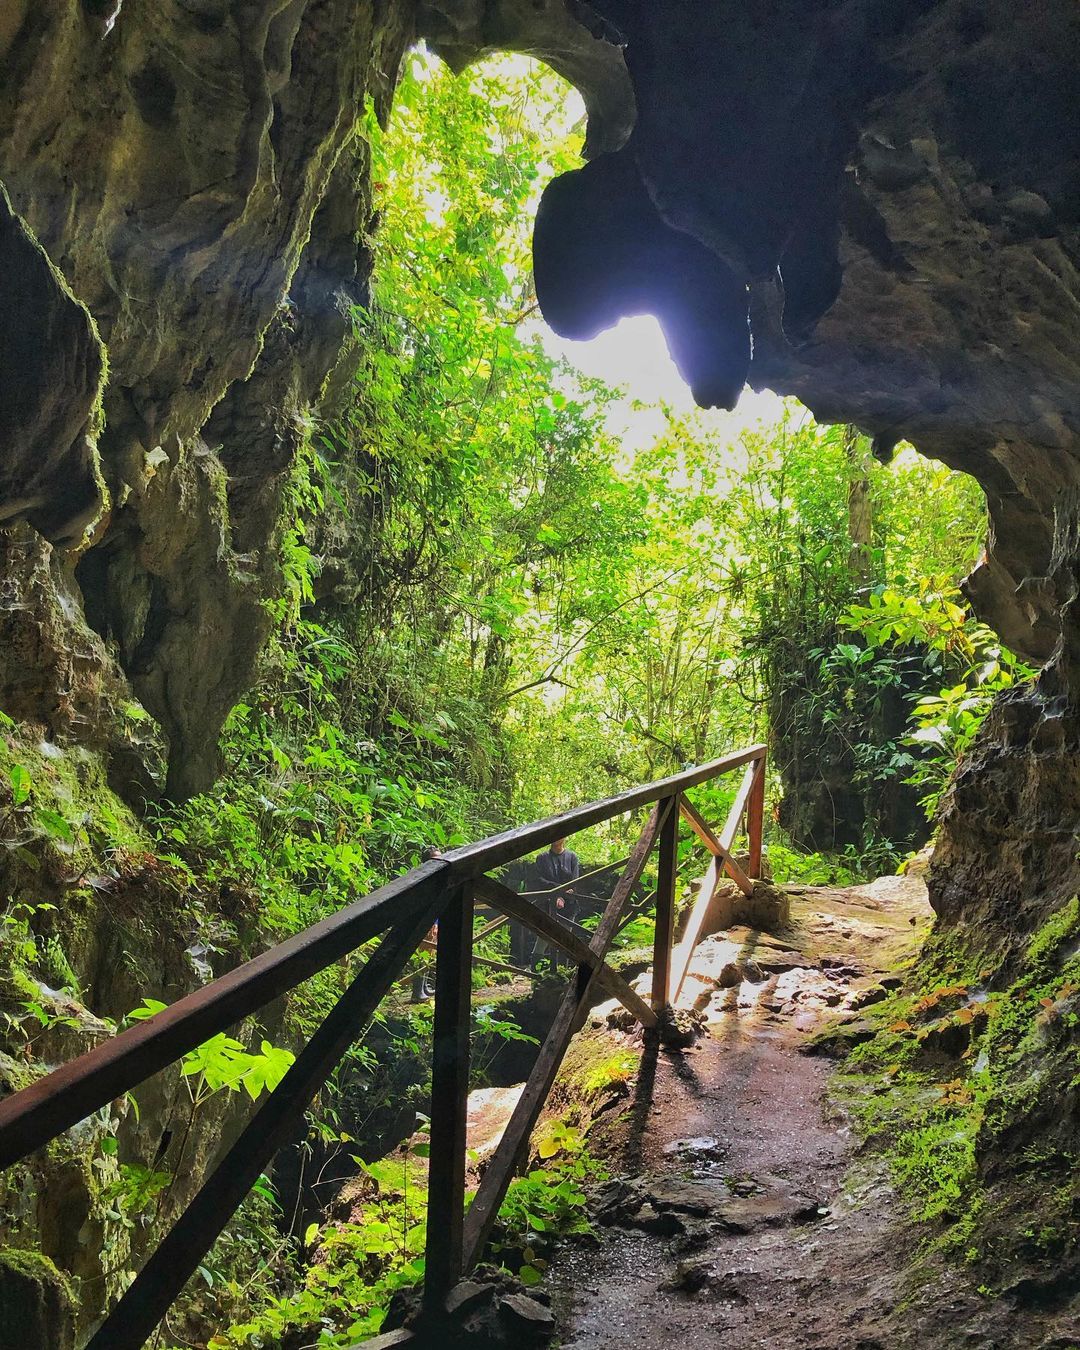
x=519, y=943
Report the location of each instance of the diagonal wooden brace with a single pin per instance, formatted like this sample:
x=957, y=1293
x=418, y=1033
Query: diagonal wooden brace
x=551, y=930
x=715, y=847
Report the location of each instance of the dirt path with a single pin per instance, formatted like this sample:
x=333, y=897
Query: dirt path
x=730, y=1224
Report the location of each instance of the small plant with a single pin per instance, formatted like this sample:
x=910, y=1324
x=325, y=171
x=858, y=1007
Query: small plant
x=547, y=1203
x=487, y=1032
x=222, y=1063
x=356, y=1266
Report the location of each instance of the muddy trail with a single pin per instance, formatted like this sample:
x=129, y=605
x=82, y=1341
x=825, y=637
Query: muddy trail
x=739, y=1212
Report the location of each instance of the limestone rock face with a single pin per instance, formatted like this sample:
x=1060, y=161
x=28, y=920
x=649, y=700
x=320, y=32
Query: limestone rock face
x=896, y=185
x=176, y=162
x=463, y=31
x=1008, y=849
x=55, y=670
x=51, y=368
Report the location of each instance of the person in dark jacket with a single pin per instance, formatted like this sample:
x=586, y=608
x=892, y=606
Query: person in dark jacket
x=557, y=866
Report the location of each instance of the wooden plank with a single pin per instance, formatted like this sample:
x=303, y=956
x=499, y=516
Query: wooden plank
x=277, y=1120
x=449, y=1099
x=551, y=930
x=665, y=907
x=30, y=1118
x=738, y=807
x=681, y=957
x=501, y=1167
x=755, y=819
x=715, y=847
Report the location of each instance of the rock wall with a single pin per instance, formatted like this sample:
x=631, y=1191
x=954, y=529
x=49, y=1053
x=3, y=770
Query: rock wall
x=194, y=171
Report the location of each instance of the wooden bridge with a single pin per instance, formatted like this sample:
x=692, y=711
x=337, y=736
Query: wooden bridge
x=403, y=912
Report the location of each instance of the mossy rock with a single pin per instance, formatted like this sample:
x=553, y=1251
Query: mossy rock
x=37, y=1305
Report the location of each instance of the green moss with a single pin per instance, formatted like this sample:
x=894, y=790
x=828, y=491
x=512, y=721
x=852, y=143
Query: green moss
x=17, y=1073
x=37, y=1267
x=593, y=1068
x=939, y=1120
x=71, y=813
x=1059, y=927
x=949, y=958
x=617, y=1069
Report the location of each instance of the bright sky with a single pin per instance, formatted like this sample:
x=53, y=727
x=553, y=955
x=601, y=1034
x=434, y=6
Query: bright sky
x=633, y=355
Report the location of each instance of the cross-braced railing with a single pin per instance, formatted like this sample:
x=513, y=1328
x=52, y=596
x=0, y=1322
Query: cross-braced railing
x=403, y=911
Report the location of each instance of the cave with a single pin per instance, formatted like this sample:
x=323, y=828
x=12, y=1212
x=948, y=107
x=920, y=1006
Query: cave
x=871, y=205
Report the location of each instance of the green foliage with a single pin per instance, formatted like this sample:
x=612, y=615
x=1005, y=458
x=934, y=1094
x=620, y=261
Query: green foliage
x=946, y=722
x=547, y=1203
x=223, y=1063
x=488, y=1032
x=357, y=1265
x=842, y=867
x=833, y=702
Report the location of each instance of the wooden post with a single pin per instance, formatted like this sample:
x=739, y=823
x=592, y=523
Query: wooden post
x=755, y=819
x=665, y=907
x=449, y=1100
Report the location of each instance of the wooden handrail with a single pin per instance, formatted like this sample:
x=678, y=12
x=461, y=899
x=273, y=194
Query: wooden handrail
x=60, y=1099
x=275, y=1121
x=498, y=850
x=693, y=817
x=404, y=909
x=720, y=862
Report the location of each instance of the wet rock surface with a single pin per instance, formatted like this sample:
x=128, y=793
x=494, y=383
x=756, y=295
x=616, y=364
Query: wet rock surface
x=489, y=1311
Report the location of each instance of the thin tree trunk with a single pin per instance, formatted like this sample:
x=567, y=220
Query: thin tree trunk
x=860, y=522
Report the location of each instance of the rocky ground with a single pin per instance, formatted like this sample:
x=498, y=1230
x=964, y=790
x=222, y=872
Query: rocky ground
x=741, y=1212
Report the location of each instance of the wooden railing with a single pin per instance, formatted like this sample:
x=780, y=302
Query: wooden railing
x=403, y=911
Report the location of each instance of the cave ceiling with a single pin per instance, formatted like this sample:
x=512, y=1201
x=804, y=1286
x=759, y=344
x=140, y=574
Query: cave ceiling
x=871, y=204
